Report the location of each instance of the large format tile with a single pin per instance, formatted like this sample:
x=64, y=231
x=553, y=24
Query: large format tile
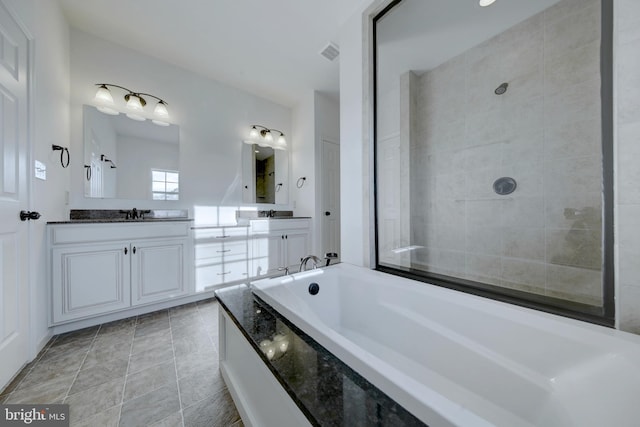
x=80, y=336
x=152, y=326
x=63, y=365
x=214, y=411
x=54, y=390
x=151, y=407
x=188, y=344
x=117, y=326
x=150, y=379
x=100, y=373
x=151, y=342
x=173, y=420
x=190, y=364
x=200, y=385
x=141, y=361
x=107, y=418
x=94, y=400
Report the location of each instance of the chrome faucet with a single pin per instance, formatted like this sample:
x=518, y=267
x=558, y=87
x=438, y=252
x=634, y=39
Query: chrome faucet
x=305, y=260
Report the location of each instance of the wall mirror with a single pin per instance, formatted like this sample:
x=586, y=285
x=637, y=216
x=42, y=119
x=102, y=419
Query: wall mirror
x=493, y=145
x=129, y=159
x=265, y=175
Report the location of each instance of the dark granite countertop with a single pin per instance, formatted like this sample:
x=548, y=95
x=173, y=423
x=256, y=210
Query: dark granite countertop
x=100, y=216
x=122, y=220
x=326, y=390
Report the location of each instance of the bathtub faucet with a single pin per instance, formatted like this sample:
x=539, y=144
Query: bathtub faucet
x=305, y=260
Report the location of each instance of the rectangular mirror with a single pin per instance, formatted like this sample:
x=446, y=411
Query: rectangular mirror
x=128, y=159
x=265, y=175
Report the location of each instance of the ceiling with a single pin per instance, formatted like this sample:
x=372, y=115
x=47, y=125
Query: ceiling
x=269, y=48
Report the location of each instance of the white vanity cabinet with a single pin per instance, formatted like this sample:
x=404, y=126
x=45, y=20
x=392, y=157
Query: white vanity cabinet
x=99, y=268
x=278, y=243
x=221, y=256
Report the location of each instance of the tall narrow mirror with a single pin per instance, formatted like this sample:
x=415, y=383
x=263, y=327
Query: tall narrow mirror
x=265, y=175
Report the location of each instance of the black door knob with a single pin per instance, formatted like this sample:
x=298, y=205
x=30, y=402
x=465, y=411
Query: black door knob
x=327, y=213
x=27, y=215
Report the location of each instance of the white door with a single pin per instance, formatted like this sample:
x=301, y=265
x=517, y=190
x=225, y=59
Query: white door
x=330, y=197
x=14, y=109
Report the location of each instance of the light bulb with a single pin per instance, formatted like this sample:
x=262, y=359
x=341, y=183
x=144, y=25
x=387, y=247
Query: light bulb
x=281, y=343
x=104, y=101
x=485, y=3
x=268, y=136
x=253, y=133
x=103, y=96
x=134, y=104
x=161, y=111
x=281, y=144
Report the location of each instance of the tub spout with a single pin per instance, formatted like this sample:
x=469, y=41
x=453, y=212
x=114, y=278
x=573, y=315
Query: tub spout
x=303, y=262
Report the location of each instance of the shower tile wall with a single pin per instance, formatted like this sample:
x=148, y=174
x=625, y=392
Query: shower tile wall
x=544, y=132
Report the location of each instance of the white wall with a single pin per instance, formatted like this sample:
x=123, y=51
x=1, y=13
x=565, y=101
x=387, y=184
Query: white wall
x=213, y=119
x=316, y=117
x=627, y=146
x=354, y=235
x=50, y=35
x=354, y=126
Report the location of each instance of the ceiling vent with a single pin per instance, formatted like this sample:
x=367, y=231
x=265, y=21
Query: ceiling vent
x=330, y=51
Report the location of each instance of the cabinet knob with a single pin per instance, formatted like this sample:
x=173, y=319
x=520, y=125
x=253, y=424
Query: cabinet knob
x=134, y=249
x=126, y=251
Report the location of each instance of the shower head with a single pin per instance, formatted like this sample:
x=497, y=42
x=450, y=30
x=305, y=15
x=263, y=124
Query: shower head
x=502, y=88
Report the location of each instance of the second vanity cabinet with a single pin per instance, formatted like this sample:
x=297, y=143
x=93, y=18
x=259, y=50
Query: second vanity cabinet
x=102, y=268
x=278, y=244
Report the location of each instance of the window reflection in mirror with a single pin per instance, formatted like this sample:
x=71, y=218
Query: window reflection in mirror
x=121, y=155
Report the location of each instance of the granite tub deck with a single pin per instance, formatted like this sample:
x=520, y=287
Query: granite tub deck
x=326, y=391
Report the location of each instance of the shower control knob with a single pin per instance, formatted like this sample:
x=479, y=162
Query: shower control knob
x=327, y=213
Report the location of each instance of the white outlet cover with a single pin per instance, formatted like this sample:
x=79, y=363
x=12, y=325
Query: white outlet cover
x=40, y=170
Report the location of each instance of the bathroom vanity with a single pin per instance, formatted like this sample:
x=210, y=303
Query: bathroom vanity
x=102, y=267
x=105, y=266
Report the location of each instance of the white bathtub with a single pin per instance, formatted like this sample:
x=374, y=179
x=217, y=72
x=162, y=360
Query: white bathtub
x=454, y=359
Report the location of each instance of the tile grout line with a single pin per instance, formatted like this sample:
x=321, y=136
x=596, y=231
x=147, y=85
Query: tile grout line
x=39, y=356
x=175, y=366
x=82, y=363
x=126, y=375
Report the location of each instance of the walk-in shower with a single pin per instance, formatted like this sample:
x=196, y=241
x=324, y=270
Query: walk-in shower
x=493, y=149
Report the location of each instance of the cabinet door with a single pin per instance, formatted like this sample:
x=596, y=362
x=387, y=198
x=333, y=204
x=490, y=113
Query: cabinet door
x=267, y=254
x=297, y=247
x=158, y=270
x=90, y=280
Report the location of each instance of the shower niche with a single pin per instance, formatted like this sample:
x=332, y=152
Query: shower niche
x=491, y=124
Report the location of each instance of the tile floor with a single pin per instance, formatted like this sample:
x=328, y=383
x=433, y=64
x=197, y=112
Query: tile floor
x=157, y=369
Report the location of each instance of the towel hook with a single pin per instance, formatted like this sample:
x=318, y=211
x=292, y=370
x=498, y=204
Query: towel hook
x=300, y=182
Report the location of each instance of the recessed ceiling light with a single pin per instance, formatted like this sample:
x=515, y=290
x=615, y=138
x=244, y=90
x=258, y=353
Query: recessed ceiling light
x=485, y=3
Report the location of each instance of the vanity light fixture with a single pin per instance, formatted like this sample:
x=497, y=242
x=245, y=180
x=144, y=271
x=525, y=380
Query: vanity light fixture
x=263, y=136
x=485, y=3
x=135, y=104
